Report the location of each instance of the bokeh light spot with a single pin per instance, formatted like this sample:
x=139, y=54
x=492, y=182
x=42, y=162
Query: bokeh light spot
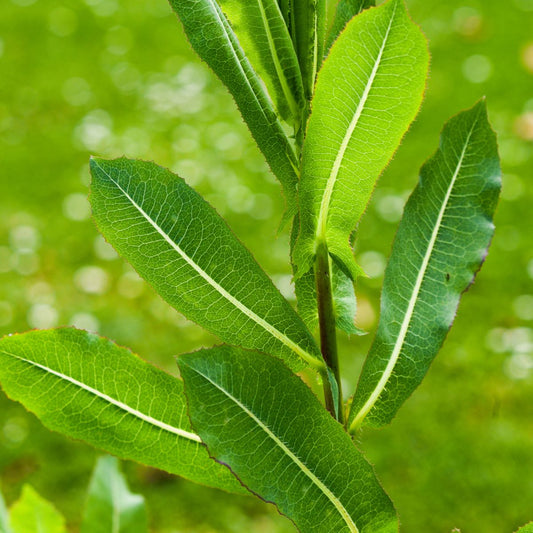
x=76, y=206
x=477, y=68
x=92, y=279
x=42, y=316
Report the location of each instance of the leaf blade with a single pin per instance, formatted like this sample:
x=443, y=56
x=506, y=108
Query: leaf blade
x=213, y=39
x=109, y=398
x=368, y=92
x=264, y=37
x=454, y=201
x=214, y=281
x=111, y=506
x=252, y=413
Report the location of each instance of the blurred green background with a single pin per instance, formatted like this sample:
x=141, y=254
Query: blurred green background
x=113, y=77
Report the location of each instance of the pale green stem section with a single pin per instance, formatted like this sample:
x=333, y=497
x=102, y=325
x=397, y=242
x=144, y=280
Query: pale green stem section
x=398, y=345
x=318, y=482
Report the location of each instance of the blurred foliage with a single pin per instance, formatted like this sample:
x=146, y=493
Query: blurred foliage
x=111, y=77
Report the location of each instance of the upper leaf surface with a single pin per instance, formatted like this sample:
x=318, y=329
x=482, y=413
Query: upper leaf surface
x=179, y=244
x=440, y=245
x=215, y=42
x=265, y=423
x=528, y=528
x=264, y=37
x=111, y=506
x=88, y=388
x=32, y=513
x=368, y=92
x=345, y=11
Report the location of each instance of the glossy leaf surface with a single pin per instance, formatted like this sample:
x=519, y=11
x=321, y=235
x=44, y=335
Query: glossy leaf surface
x=90, y=389
x=213, y=39
x=33, y=514
x=260, y=27
x=181, y=246
x=368, y=92
x=266, y=424
x=111, y=506
x=441, y=242
x=345, y=11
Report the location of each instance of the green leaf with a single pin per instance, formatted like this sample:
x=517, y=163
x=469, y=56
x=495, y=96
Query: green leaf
x=111, y=506
x=4, y=517
x=528, y=528
x=346, y=10
x=91, y=389
x=368, y=92
x=308, y=27
x=32, y=514
x=213, y=39
x=441, y=242
x=180, y=245
x=264, y=37
x=265, y=423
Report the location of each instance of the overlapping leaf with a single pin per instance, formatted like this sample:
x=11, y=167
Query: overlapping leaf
x=179, y=244
x=264, y=37
x=111, y=506
x=91, y=389
x=368, y=92
x=33, y=514
x=345, y=11
x=215, y=42
x=263, y=421
x=441, y=243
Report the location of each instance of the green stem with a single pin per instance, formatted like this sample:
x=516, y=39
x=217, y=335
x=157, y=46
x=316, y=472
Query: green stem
x=328, y=334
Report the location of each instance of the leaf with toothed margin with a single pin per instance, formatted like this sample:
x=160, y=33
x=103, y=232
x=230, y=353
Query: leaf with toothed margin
x=440, y=245
x=269, y=428
x=182, y=247
x=88, y=388
x=528, y=528
x=213, y=39
x=111, y=506
x=368, y=92
x=345, y=11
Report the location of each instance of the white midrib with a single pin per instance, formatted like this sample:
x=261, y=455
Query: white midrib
x=330, y=185
x=313, y=361
x=325, y=490
x=146, y=418
x=398, y=345
x=223, y=23
x=277, y=64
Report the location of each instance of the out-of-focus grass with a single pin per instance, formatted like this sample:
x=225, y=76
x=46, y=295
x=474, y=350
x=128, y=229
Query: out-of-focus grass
x=111, y=77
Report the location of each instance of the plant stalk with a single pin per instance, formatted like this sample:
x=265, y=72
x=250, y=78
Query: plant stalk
x=328, y=334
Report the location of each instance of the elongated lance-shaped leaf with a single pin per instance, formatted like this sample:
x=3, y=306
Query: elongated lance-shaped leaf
x=528, y=528
x=368, y=92
x=266, y=424
x=441, y=243
x=32, y=514
x=213, y=39
x=111, y=506
x=88, y=388
x=263, y=35
x=180, y=245
x=4, y=517
x=345, y=11
x=308, y=27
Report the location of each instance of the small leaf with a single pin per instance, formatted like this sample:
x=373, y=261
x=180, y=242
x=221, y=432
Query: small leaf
x=213, y=39
x=181, y=246
x=111, y=506
x=346, y=10
x=528, y=528
x=264, y=422
x=4, y=517
x=32, y=514
x=88, y=388
x=264, y=37
x=368, y=92
x=440, y=245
